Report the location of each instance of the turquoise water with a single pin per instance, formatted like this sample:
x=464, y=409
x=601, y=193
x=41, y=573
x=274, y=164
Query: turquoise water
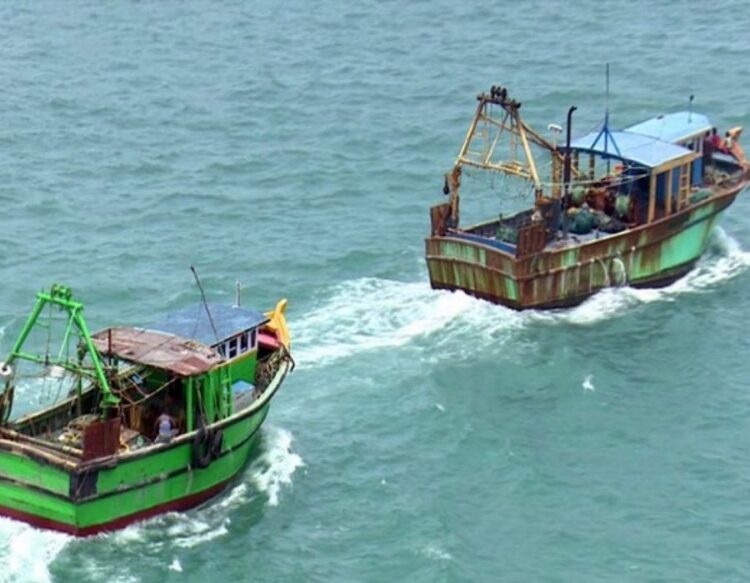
x=425, y=436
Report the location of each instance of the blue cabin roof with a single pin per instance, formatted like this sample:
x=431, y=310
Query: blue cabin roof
x=193, y=322
x=673, y=127
x=636, y=147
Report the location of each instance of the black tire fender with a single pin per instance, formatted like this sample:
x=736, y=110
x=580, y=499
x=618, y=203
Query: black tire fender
x=217, y=442
x=202, y=448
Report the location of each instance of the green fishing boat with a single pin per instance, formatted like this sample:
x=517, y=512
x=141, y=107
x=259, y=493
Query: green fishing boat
x=142, y=420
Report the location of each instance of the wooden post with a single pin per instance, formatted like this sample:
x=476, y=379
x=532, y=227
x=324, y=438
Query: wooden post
x=189, y=385
x=651, y=197
x=556, y=177
x=668, y=200
x=685, y=180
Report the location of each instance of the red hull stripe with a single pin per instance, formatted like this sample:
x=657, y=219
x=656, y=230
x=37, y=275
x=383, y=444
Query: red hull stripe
x=174, y=505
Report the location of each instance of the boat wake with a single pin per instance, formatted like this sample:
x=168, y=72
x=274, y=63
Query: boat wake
x=723, y=261
x=370, y=314
x=26, y=552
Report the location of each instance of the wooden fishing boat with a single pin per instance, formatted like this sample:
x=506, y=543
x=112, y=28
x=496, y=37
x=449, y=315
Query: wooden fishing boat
x=631, y=207
x=147, y=420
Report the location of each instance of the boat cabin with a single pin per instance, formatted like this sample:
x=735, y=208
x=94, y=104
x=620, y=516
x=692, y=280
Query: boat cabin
x=658, y=175
x=232, y=331
x=600, y=184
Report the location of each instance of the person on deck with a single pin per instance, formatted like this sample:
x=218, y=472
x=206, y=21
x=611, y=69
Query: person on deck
x=166, y=428
x=728, y=143
x=708, y=150
x=715, y=143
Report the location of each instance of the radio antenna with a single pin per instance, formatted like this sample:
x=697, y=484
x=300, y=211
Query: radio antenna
x=205, y=303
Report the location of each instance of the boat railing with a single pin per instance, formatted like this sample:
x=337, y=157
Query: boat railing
x=33, y=444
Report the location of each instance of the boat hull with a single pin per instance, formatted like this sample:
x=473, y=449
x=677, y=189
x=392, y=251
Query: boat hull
x=652, y=255
x=109, y=493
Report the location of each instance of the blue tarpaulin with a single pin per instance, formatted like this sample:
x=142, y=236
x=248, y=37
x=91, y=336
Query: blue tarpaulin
x=638, y=148
x=193, y=322
x=673, y=127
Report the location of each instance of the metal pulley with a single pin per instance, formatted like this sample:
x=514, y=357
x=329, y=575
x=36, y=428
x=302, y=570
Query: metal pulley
x=6, y=371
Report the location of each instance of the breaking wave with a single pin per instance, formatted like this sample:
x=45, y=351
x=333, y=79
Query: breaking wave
x=274, y=468
x=268, y=473
x=369, y=313
x=26, y=552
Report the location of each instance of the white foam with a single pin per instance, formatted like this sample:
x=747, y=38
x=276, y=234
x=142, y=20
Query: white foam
x=274, y=468
x=723, y=261
x=191, y=532
x=236, y=497
x=588, y=383
x=175, y=566
x=185, y=530
x=26, y=552
x=436, y=553
x=130, y=534
x=370, y=313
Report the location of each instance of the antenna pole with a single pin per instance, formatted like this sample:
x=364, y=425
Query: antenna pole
x=690, y=108
x=606, y=113
x=606, y=100
x=205, y=303
x=237, y=290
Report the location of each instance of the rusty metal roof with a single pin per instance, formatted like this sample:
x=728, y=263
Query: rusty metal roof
x=167, y=352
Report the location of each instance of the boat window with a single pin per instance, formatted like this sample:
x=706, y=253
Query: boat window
x=221, y=350
x=253, y=339
x=243, y=343
x=232, y=348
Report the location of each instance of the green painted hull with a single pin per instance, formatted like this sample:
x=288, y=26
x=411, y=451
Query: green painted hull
x=648, y=256
x=87, y=497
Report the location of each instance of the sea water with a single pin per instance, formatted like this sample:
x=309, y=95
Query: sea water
x=425, y=436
